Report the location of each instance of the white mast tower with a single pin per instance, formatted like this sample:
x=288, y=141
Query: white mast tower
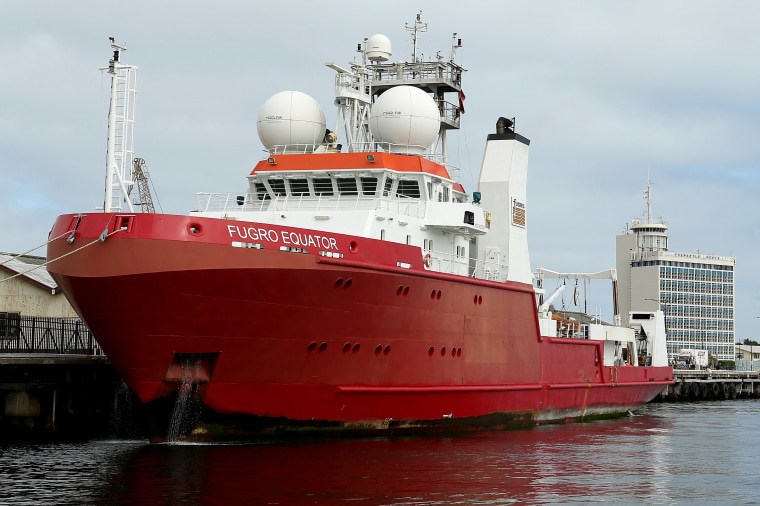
x=357, y=88
x=121, y=132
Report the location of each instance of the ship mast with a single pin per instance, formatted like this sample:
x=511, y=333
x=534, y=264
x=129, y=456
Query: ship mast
x=357, y=88
x=121, y=131
x=418, y=26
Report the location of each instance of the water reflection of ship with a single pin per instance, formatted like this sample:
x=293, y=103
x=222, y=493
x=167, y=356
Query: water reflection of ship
x=615, y=459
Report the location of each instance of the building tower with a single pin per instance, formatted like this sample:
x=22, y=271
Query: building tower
x=695, y=291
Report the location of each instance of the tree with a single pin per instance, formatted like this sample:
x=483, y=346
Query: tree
x=750, y=342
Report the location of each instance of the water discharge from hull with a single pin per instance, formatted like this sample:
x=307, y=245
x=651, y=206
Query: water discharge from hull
x=187, y=407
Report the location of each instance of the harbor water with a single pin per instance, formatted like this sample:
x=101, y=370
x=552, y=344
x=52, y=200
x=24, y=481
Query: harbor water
x=680, y=453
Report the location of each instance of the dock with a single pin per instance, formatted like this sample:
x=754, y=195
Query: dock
x=691, y=385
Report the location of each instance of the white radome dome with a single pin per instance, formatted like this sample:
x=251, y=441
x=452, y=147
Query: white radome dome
x=378, y=48
x=293, y=119
x=406, y=118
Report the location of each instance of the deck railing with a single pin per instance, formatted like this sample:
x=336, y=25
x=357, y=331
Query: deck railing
x=228, y=202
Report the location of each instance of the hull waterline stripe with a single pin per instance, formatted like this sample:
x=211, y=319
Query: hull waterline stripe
x=599, y=385
x=441, y=389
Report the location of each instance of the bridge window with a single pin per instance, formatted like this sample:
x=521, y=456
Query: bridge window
x=278, y=187
x=407, y=188
x=299, y=187
x=323, y=187
x=347, y=186
x=388, y=186
x=369, y=185
x=469, y=217
x=261, y=192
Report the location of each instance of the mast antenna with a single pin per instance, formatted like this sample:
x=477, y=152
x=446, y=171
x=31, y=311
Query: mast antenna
x=418, y=26
x=648, y=198
x=121, y=132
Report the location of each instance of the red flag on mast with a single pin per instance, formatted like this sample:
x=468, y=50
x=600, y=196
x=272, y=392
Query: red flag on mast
x=461, y=102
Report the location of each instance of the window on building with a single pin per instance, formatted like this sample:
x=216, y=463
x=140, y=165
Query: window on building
x=10, y=325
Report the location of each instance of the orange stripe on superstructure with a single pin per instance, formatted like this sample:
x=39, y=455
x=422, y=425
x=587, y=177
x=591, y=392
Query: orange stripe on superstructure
x=324, y=162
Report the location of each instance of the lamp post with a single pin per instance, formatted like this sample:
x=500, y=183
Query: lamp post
x=751, y=354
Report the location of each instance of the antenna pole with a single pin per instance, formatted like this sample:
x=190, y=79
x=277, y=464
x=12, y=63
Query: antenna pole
x=417, y=27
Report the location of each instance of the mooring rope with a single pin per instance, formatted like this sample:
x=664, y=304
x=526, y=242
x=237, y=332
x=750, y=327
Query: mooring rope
x=102, y=238
x=38, y=247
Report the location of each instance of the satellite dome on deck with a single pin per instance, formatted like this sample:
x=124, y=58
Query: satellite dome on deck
x=292, y=119
x=407, y=118
x=378, y=48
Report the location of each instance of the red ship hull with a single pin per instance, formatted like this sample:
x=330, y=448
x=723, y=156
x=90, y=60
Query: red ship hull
x=346, y=331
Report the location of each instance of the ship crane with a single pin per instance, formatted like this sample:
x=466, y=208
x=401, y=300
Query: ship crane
x=610, y=274
x=140, y=177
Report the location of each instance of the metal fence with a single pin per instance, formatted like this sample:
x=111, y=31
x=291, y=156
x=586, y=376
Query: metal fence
x=30, y=334
x=747, y=365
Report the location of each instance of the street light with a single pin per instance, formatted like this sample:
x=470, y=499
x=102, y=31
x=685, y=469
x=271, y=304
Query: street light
x=751, y=354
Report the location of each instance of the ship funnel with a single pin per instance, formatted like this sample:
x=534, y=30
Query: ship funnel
x=502, y=184
x=503, y=125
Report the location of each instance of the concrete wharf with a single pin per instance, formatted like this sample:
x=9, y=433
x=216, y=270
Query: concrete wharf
x=66, y=395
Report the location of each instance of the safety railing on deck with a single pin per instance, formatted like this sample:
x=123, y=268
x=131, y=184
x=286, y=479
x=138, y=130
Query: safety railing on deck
x=449, y=263
x=30, y=334
x=226, y=203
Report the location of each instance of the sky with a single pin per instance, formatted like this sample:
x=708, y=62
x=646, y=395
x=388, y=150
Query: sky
x=610, y=94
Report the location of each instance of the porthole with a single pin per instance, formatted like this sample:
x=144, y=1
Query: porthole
x=378, y=349
x=322, y=347
x=338, y=282
x=311, y=347
x=346, y=347
x=348, y=283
